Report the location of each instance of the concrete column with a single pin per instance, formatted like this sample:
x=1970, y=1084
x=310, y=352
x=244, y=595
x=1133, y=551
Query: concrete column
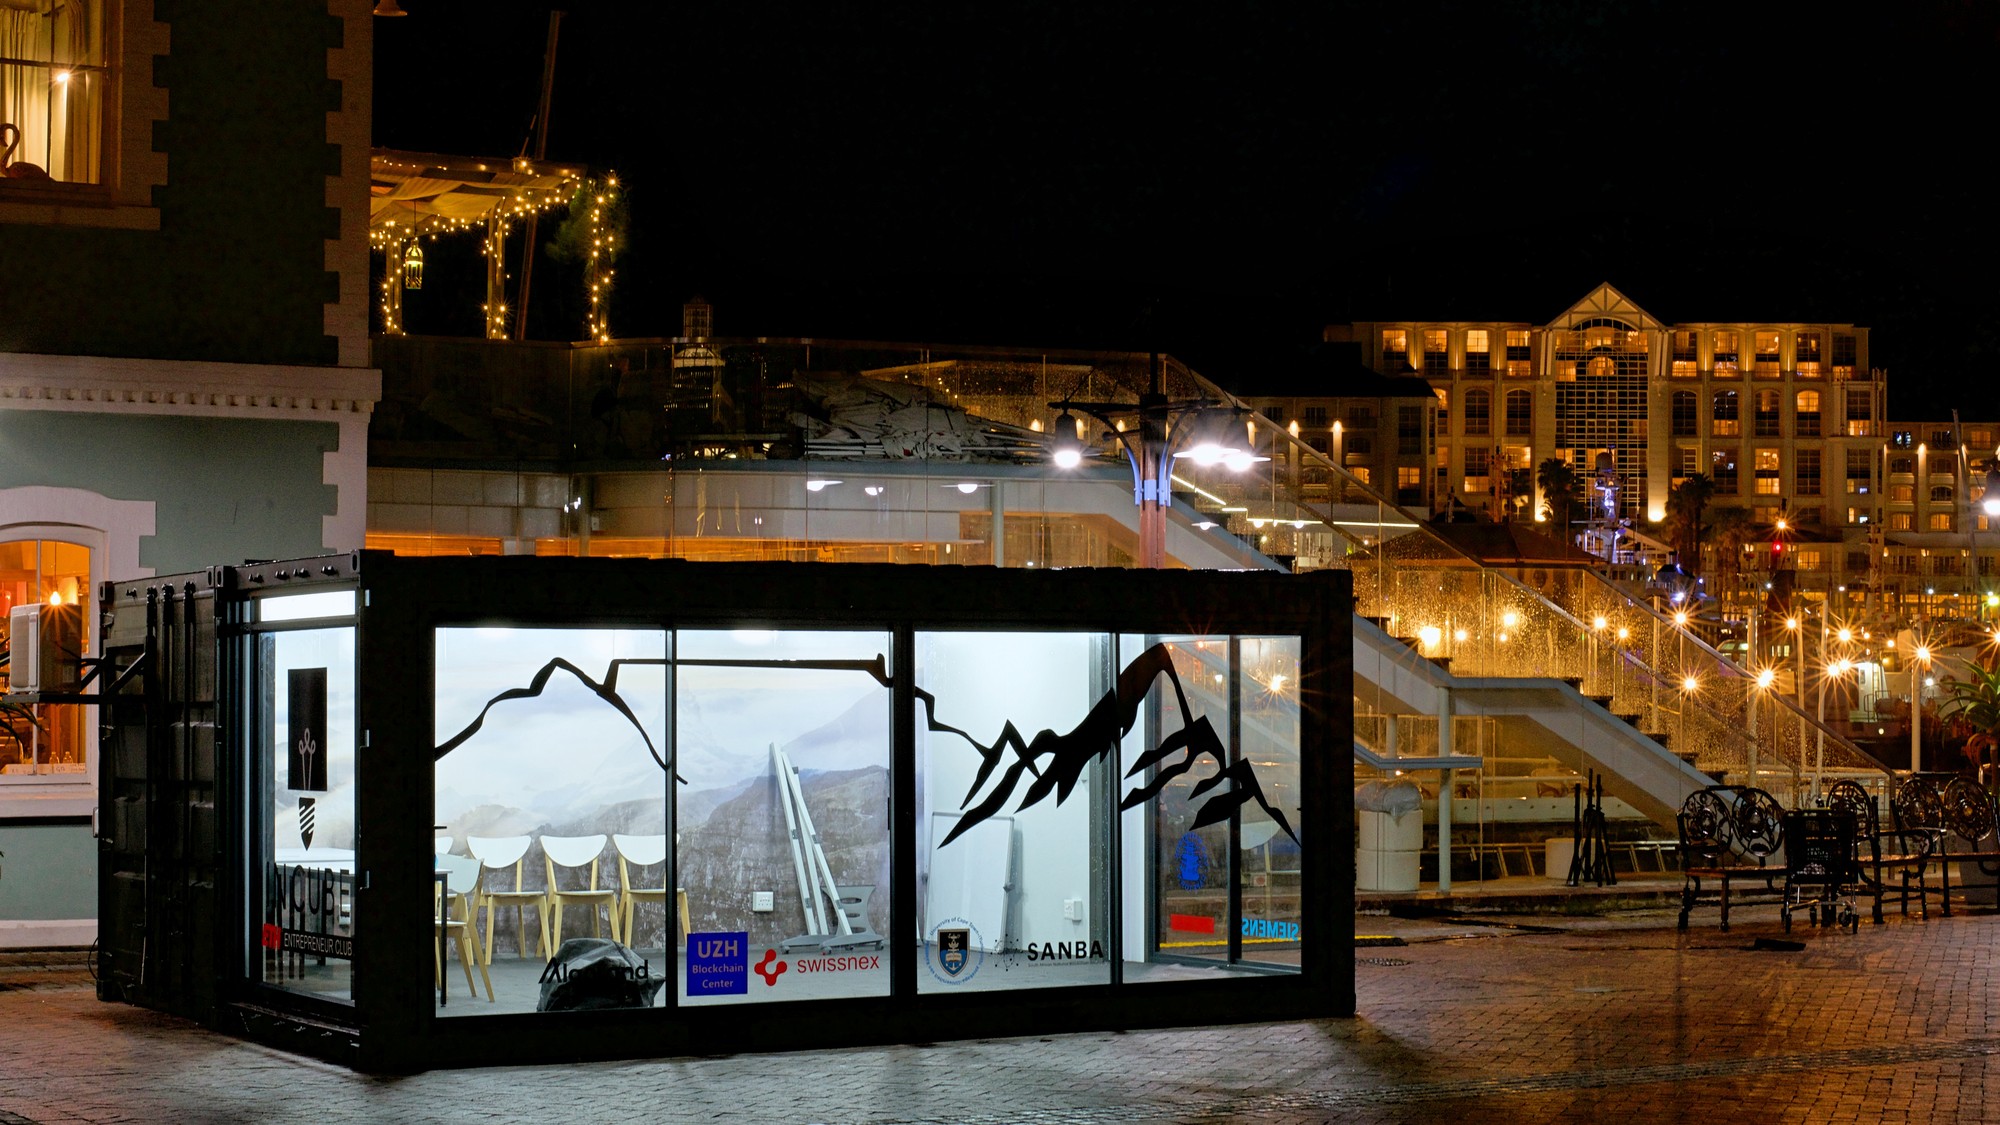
x=1444, y=830
x=997, y=499
x=1389, y=736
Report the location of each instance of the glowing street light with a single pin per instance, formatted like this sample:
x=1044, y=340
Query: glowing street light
x=1922, y=659
x=1205, y=425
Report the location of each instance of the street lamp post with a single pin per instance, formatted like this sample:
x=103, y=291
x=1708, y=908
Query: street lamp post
x=1834, y=671
x=1797, y=628
x=1921, y=662
x=1148, y=447
x=1765, y=678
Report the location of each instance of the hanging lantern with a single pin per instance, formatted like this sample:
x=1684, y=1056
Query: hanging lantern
x=413, y=267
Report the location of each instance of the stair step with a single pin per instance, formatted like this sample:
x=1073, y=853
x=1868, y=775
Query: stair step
x=1629, y=720
x=1443, y=662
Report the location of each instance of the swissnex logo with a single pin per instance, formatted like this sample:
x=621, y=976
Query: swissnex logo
x=771, y=968
x=766, y=970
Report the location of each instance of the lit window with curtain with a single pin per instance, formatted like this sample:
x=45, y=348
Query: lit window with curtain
x=55, y=81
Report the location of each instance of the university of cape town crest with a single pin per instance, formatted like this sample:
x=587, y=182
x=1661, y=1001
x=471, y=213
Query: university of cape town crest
x=953, y=945
x=958, y=955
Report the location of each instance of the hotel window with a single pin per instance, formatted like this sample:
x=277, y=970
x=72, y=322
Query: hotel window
x=1807, y=461
x=1860, y=466
x=1684, y=345
x=1520, y=413
x=1437, y=359
x=1941, y=494
x=1805, y=352
x=1359, y=444
x=1689, y=465
x=1808, y=560
x=1722, y=470
x=1843, y=357
x=55, y=89
x=44, y=740
x=1725, y=355
x=1314, y=415
x=1478, y=461
x=1722, y=419
x=1808, y=517
x=1519, y=363
x=1395, y=350
x=1899, y=521
x=1686, y=416
x=1767, y=419
x=1363, y=474
x=1275, y=412
x=1902, y=493
x=1902, y=465
x=1941, y=439
x=1478, y=412
x=1807, y=408
x=1860, y=405
x=1409, y=476
x=1979, y=438
x=1478, y=347
x=1767, y=355
x=1409, y=429
x=1769, y=472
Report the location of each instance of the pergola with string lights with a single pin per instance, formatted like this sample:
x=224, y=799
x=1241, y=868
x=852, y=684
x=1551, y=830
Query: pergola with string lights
x=417, y=196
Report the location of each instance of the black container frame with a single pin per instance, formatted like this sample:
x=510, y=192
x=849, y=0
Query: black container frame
x=401, y=602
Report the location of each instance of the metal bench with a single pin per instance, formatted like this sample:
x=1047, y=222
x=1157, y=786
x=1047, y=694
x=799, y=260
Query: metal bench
x=1961, y=817
x=1729, y=834
x=1893, y=862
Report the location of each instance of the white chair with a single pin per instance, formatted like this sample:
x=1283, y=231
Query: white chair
x=575, y=853
x=497, y=854
x=643, y=851
x=443, y=846
x=455, y=910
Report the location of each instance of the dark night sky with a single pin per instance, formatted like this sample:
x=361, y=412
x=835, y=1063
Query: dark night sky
x=1221, y=184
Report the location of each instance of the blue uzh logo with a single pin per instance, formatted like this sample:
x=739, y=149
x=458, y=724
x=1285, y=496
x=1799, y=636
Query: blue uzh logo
x=718, y=964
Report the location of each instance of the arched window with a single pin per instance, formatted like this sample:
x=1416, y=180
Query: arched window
x=1478, y=411
x=45, y=739
x=1724, y=419
x=1685, y=416
x=1520, y=413
x=1808, y=414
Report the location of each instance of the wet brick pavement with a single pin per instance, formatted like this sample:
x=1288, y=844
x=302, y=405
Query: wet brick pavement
x=1615, y=1018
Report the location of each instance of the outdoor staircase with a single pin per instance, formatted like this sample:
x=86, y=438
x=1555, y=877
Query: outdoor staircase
x=1542, y=715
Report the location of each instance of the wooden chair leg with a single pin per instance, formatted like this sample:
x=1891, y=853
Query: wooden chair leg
x=465, y=959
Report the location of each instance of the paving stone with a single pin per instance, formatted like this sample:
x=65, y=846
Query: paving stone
x=1588, y=1019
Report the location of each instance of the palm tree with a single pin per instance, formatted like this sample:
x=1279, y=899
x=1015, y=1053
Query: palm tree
x=1973, y=707
x=1685, y=505
x=1731, y=529
x=1558, y=483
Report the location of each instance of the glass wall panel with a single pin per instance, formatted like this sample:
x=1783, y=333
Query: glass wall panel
x=551, y=818
x=1267, y=670
x=305, y=860
x=782, y=740
x=1226, y=812
x=1014, y=807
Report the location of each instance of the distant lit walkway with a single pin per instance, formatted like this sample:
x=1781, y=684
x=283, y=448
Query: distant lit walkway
x=1476, y=1019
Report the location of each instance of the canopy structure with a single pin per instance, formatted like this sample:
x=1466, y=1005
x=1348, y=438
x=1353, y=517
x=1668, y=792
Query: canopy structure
x=420, y=195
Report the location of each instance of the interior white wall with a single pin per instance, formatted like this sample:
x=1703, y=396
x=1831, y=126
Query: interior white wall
x=981, y=682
